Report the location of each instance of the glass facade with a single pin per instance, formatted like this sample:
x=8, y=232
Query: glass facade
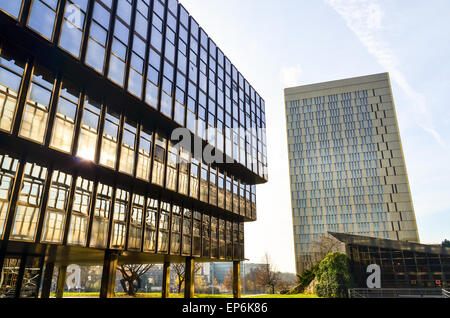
x=401, y=264
x=88, y=160
x=346, y=163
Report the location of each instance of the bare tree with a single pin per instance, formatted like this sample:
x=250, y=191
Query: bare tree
x=228, y=280
x=267, y=275
x=179, y=270
x=321, y=248
x=132, y=274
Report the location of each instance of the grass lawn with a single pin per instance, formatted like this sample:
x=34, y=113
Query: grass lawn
x=158, y=295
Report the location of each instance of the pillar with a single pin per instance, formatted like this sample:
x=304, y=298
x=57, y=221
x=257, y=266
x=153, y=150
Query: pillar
x=109, y=274
x=61, y=281
x=47, y=280
x=48, y=272
x=166, y=280
x=237, y=279
x=189, y=278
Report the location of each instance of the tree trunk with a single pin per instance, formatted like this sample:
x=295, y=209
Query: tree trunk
x=131, y=291
x=180, y=282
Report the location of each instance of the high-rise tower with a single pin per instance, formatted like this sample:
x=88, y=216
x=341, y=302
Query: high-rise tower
x=347, y=169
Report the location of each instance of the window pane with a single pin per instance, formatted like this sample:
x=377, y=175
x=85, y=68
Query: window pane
x=34, y=121
x=109, y=141
x=27, y=212
x=64, y=125
x=73, y=27
x=42, y=17
x=8, y=168
x=151, y=96
x=144, y=156
x=11, y=72
x=11, y=6
x=127, y=152
x=87, y=144
x=56, y=208
x=80, y=212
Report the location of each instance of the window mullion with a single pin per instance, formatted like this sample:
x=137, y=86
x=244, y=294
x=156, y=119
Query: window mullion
x=69, y=207
x=59, y=20
x=85, y=40
x=130, y=43
x=52, y=110
x=22, y=95
x=44, y=200
x=108, y=47
x=12, y=208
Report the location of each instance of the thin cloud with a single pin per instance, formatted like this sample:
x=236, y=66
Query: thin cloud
x=364, y=18
x=291, y=75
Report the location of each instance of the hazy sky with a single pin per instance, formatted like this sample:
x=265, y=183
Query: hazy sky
x=281, y=43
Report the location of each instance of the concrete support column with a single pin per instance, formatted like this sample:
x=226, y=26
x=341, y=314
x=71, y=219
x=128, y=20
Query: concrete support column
x=189, y=278
x=61, y=281
x=166, y=280
x=47, y=279
x=109, y=274
x=47, y=276
x=237, y=279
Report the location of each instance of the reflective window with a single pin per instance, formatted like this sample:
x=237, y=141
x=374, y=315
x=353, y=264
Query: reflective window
x=72, y=29
x=214, y=238
x=8, y=168
x=90, y=120
x=229, y=239
x=175, y=239
x=137, y=215
x=236, y=196
x=163, y=230
x=196, y=234
x=171, y=172
x=35, y=115
x=11, y=7
x=29, y=203
x=119, y=47
x=222, y=246
x=159, y=158
x=221, y=191
x=144, y=155
x=42, y=17
x=100, y=222
x=110, y=137
x=136, y=76
x=128, y=149
x=204, y=183
x=119, y=226
x=11, y=72
x=187, y=232
x=183, y=175
x=206, y=236
x=95, y=55
x=80, y=212
x=64, y=123
x=152, y=89
x=194, y=178
x=151, y=222
x=212, y=187
x=229, y=194
x=55, y=216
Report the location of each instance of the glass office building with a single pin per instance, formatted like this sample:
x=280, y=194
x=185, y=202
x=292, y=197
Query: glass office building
x=347, y=170
x=402, y=264
x=90, y=93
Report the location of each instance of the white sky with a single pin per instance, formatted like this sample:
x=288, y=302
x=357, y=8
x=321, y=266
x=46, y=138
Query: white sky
x=277, y=44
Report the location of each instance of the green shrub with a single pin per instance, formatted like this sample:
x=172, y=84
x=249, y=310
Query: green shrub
x=304, y=279
x=333, y=277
